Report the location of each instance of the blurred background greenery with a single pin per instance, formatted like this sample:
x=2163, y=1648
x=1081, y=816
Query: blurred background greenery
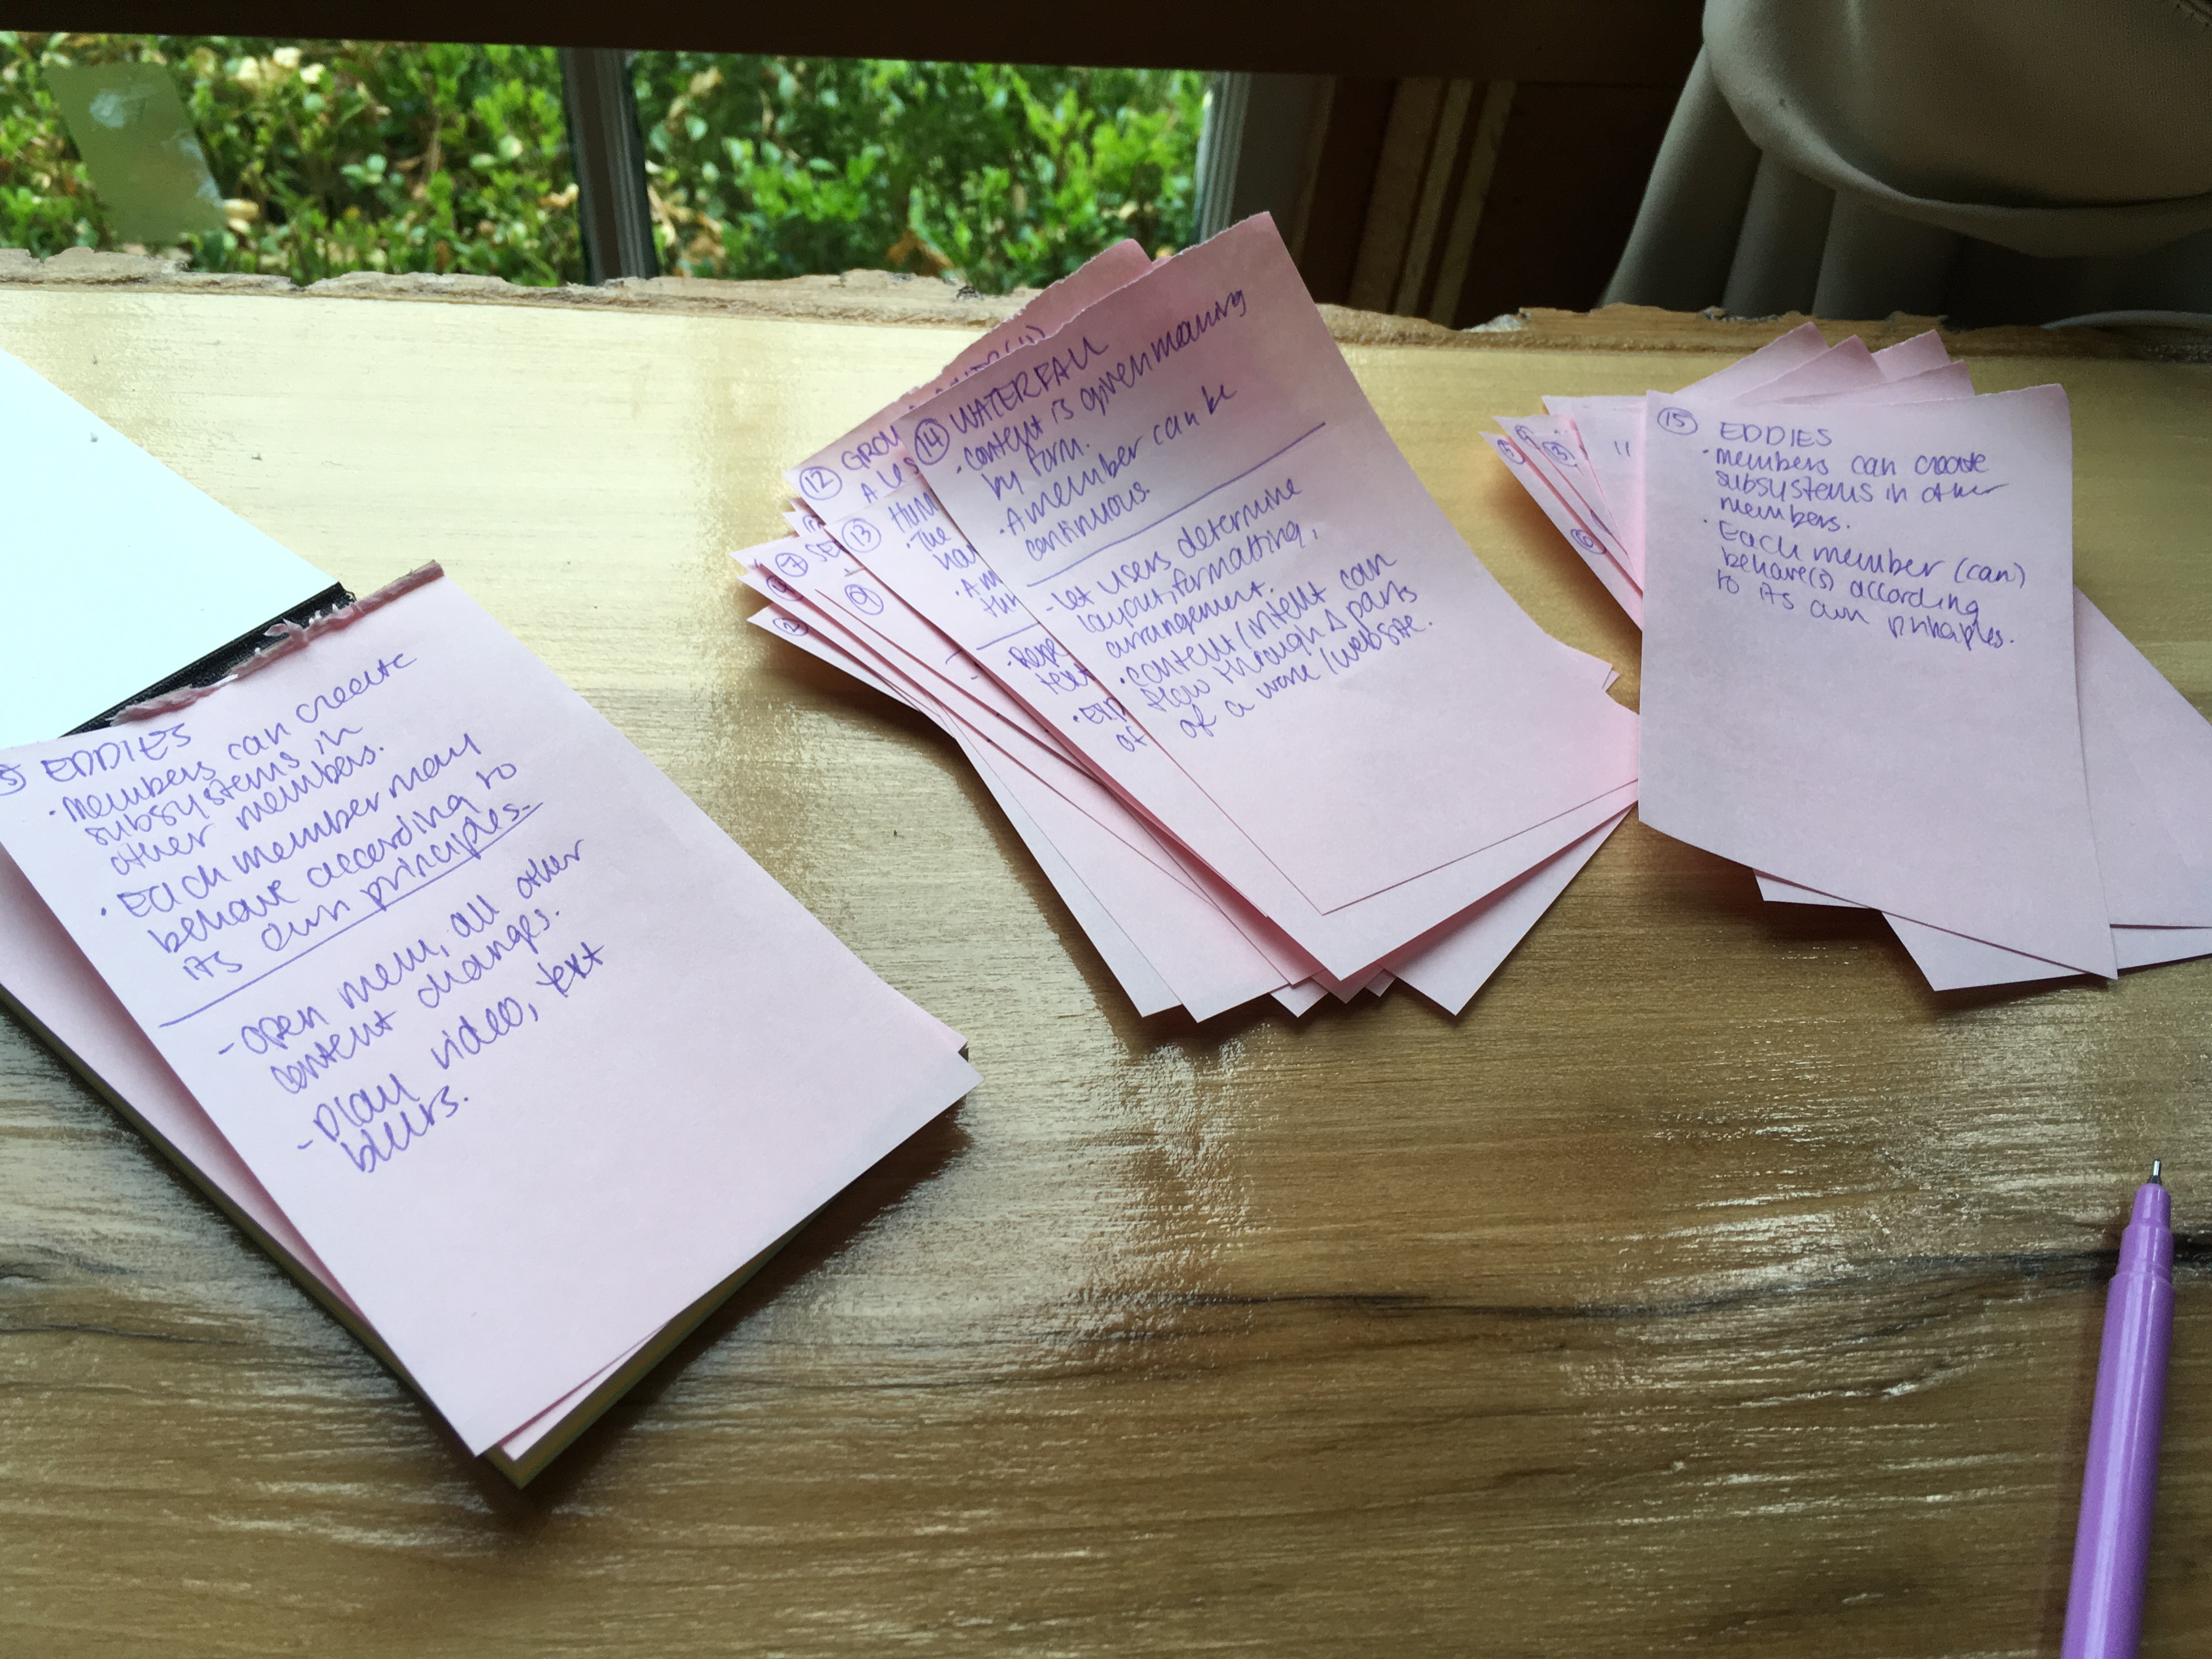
x=338, y=155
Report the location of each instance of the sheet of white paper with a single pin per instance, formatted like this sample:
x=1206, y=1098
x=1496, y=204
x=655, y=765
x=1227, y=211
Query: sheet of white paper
x=531, y=1054
x=97, y=528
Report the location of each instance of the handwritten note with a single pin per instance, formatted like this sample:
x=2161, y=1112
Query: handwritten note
x=1187, y=488
x=529, y=1052
x=1859, y=658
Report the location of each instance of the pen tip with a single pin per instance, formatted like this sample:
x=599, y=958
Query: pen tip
x=2156, y=1164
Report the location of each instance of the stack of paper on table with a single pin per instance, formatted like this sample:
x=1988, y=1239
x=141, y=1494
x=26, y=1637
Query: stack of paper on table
x=438, y=986
x=1867, y=672
x=1150, y=558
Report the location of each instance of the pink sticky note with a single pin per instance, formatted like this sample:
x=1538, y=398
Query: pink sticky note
x=1454, y=964
x=1924, y=352
x=1609, y=429
x=1952, y=962
x=872, y=620
x=1859, y=659
x=1554, y=447
x=920, y=558
x=1609, y=571
x=860, y=468
x=50, y=979
x=1946, y=380
x=1778, y=357
x=888, y=519
x=1844, y=366
x=528, y=1051
x=1189, y=490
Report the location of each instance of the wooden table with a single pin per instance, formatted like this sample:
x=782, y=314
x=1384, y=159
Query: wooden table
x=1710, y=1286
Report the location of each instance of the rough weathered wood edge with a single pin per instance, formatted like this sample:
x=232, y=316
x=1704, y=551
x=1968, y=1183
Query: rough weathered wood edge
x=883, y=296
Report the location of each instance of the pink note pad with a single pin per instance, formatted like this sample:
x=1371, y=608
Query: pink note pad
x=1188, y=489
x=1924, y=352
x=45, y=972
x=1609, y=571
x=1551, y=447
x=1859, y=659
x=1609, y=429
x=528, y=1051
x=892, y=524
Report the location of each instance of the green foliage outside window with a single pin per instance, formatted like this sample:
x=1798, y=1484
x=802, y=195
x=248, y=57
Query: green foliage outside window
x=1009, y=175
x=332, y=155
x=345, y=155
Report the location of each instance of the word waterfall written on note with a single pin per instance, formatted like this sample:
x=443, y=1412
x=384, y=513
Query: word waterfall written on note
x=493, y=1029
x=1867, y=672
x=1146, y=553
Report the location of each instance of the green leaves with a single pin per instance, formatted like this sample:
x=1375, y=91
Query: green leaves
x=1000, y=174
x=333, y=155
x=339, y=155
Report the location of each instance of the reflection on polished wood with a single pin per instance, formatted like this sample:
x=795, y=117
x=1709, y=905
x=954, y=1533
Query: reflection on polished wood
x=1709, y=1285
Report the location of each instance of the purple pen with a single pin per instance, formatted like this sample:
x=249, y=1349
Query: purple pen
x=2111, y=1550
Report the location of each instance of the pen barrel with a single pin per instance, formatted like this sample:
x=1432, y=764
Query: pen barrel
x=2111, y=1549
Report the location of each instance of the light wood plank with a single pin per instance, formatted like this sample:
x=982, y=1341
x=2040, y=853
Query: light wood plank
x=1709, y=1287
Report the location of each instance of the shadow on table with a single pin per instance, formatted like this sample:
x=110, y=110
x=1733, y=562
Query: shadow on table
x=920, y=1159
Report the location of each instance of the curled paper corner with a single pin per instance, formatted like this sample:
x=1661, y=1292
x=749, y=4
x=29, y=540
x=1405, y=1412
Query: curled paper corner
x=288, y=636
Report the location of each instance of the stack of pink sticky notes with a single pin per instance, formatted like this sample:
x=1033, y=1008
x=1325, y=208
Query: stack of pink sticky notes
x=455, y=1001
x=1867, y=672
x=1146, y=553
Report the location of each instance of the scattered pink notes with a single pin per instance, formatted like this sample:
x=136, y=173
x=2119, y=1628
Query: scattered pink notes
x=1147, y=546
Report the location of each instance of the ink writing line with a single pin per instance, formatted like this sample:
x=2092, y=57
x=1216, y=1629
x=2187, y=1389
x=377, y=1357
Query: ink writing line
x=1023, y=629
x=476, y=855
x=1166, y=518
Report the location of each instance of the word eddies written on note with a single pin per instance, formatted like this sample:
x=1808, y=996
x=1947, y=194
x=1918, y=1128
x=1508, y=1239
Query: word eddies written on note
x=452, y=967
x=1805, y=526
x=236, y=858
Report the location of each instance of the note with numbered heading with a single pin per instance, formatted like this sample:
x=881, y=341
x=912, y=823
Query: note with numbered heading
x=1187, y=488
x=531, y=1054
x=1859, y=661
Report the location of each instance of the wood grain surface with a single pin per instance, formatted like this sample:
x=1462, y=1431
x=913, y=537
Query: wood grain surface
x=1710, y=1286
